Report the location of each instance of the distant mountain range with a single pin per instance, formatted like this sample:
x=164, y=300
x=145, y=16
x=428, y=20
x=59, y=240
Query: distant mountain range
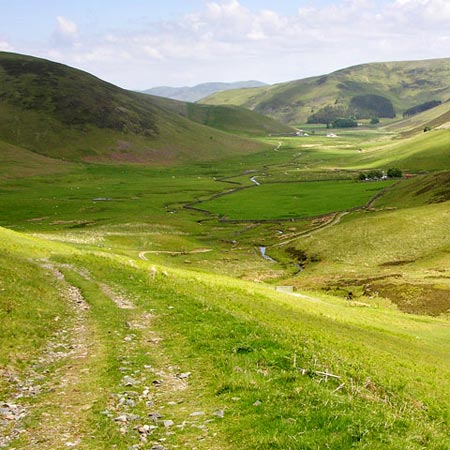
x=194, y=93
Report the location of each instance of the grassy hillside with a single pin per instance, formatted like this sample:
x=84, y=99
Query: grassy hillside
x=401, y=255
x=419, y=153
x=405, y=84
x=300, y=372
x=16, y=162
x=437, y=117
x=61, y=112
x=419, y=191
x=230, y=119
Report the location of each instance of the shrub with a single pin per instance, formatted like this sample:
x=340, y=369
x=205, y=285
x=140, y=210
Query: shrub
x=344, y=123
x=375, y=174
x=362, y=176
x=394, y=172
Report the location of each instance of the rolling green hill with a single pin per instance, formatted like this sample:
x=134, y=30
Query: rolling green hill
x=437, y=117
x=60, y=112
x=16, y=162
x=421, y=152
x=404, y=84
x=232, y=119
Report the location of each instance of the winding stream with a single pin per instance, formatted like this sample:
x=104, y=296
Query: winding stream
x=262, y=250
x=253, y=180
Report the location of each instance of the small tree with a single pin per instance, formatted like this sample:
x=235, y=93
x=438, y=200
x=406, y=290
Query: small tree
x=375, y=174
x=362, y=176
x=374, y=120
x=394, y=172
x=344, y=123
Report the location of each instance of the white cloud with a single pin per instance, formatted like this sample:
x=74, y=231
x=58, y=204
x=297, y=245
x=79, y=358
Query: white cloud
x=66, y=32
x=228, y=41
x=5, y=46
x=66, y=27
x=256, y=34
x=152, y=52
x=436, y=10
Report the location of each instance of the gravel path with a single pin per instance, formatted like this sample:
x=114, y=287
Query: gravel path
x=62, y=406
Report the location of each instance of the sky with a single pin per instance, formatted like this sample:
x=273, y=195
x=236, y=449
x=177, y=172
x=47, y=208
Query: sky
x=139, y=44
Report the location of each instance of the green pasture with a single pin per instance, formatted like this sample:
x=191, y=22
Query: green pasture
x=98, y=195
x=288, y=200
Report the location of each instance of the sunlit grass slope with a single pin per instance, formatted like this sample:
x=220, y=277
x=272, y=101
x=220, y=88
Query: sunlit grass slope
x=29, y=301
x=399, y=245
x=432, y=118
x=420, y=153
x=419, y=191
x=257, y=356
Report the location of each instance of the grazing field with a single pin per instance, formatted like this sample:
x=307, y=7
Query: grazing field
x=98, y=195
x=288, y=200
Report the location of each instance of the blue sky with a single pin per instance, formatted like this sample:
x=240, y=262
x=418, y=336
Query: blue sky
x=138, y=44
x=34, y=19
x=36, y=16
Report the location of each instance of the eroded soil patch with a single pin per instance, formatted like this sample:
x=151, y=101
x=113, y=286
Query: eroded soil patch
x=414, y=299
